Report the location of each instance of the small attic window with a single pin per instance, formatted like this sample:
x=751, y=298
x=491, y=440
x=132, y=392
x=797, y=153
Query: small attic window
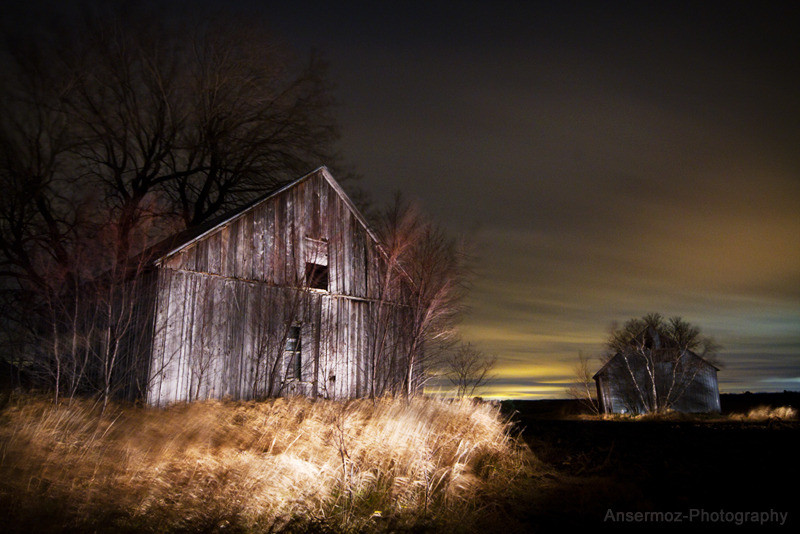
x=316, y=276
x=316, y=259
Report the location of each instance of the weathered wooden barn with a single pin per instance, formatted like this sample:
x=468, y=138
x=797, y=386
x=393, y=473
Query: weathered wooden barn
x=278, y=298
x=657, y=376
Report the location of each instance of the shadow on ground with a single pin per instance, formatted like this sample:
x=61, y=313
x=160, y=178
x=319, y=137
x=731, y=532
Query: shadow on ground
x=688, y=471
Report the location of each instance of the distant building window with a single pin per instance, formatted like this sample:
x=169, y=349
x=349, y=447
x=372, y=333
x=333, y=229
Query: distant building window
x=317, y=276
x=293, y=354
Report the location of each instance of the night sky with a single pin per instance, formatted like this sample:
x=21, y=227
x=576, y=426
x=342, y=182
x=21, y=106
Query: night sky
x=606, y=159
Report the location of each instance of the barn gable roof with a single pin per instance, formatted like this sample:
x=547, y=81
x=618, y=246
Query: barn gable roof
x=605, y=366
x=178, y=242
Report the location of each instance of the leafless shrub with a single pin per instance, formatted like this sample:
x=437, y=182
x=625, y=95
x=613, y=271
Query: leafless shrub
x=468, y=369
x=584, y=389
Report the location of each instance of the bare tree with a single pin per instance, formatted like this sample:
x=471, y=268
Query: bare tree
x=584, y=389
x=422, y=289
x=111, y=132
x=468, y=369
x=436, y=266
x=398, y=226
x=193, y=121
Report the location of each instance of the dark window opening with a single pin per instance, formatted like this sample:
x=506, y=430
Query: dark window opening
x=317, y=276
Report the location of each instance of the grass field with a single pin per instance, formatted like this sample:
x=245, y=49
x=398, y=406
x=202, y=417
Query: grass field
x=390, y=466
x=279, y=465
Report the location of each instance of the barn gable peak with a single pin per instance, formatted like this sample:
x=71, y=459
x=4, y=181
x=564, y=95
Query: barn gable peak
x=182, y=241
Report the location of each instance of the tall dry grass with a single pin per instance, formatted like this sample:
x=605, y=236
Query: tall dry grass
x=279, y=465
x=767, y=413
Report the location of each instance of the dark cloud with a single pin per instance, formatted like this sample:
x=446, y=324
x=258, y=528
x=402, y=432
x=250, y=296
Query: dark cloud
x=607, y=159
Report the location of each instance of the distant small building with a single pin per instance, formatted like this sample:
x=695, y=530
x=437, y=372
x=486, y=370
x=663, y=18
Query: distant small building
x=657, y=375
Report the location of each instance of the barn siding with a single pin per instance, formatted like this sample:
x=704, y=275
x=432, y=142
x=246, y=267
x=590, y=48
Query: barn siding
x=225, y=297
x=617, y=388
x=266, y=243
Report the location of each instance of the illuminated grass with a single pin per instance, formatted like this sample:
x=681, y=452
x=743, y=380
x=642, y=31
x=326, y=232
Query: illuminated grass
x=283, y=464
x=767, y=413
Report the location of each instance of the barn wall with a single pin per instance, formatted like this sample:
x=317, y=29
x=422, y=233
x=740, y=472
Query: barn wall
x=619, y=389
x=221, y=337
x=226, y=301
x=268, y=243
x=702, y=394
x=697, y=393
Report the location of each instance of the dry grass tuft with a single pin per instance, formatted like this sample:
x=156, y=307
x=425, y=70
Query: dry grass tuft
x=282, y=464
x=767, y=413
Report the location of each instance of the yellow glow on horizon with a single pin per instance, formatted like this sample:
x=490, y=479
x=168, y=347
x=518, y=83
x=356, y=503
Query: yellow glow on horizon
x=503, y=392
x=551, y=371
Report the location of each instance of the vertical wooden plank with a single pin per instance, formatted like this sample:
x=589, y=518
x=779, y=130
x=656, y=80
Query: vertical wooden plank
x=344, y=220
x=340, y=245
x=172, y=369
x=187, y=307
x=363, y=263
x=317, y=325
x=343, y=374
x=303, y=212
x=269, y=244
x=330, y=348
x=313, y=201
x=291, y=258
x=279, y=255
x=324, y=222
x=222, y=302
x=203, y=308
x=202, y=255
x=353, y=326
x=179, y=290
x=213, y=245
x=159, y=339
x=238, y=326
x=189, y=260
x=228, y=354
x=224, y=248
x=258, y=242
x=358, y=271
x=333, y=240
x=247, y=242
x=360, y=350
x=232, y=251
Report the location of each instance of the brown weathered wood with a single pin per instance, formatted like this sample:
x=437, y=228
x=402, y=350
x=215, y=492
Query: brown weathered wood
x=221, y=304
